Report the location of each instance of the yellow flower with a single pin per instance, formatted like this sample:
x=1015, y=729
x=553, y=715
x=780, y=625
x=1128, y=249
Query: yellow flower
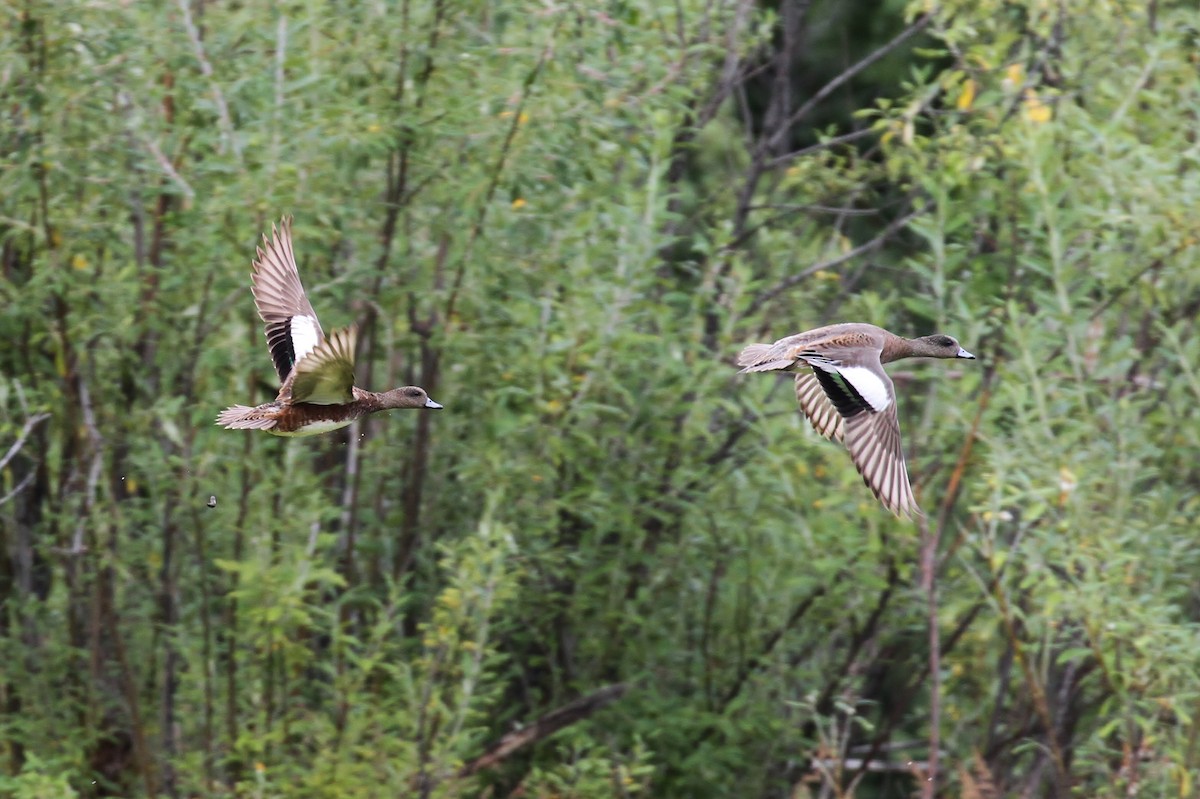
x=967, y=96
x=1067, y=482
x=518, y=203
x=1035, y=110
x=1014, y=76
x=79, y=262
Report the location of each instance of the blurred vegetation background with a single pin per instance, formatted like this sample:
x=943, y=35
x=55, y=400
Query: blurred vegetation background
x=610, y=568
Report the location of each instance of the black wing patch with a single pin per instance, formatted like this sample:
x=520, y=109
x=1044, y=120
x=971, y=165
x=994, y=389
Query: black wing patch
x=842, y=393
x=279, y=342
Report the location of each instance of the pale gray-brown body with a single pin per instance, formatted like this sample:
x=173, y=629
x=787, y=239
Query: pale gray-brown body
x=845, y=393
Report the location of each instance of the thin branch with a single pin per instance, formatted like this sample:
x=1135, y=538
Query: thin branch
x=545, y=726
x=498, y=168
x=918, y=25
x=861, y=636
x=730, y=78
x=280, y=58
x=821, y=209
x=21, y=486
x=893, y=227
x=960, y=468
x=127, y=106
x=206, y=69
x=845, y=138
x=30, y=423
x=929, y=547
x=768, y=646
x=1036, y=691
x=771, y=140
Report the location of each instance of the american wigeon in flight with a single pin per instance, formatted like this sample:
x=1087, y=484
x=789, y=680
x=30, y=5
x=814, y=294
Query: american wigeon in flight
x=317, y=372
x=845, y=393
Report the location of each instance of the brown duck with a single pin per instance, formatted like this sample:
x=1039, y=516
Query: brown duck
x=318, y=392
x=845, y=393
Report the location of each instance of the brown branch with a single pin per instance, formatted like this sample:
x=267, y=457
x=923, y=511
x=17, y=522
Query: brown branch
x=860, y=637
x=960, y=467
x=768, y=646
x=905, y=697
x=917, y=25
x=929, y=546
x=833, y=141
x=126, y=679
x=1036, y=691
x=545, y=726
x=893, y=227
x=772, y=139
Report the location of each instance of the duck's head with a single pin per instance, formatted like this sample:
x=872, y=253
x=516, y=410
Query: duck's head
x=940, y=346
x=409, y=397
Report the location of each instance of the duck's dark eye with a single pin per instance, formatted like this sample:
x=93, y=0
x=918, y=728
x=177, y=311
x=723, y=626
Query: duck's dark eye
x=413, y=392
x=945, y=341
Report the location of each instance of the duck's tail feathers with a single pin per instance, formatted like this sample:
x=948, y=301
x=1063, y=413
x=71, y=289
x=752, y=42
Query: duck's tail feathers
x=243, y=417
x=761, y=358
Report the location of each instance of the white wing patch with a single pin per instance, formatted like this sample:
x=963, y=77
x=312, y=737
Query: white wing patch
x=305, y=336
x=866, y=382
x=868, y=385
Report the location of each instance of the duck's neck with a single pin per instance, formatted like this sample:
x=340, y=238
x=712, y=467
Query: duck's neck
x=896, y=347
x=922, y=347
x=370, y=401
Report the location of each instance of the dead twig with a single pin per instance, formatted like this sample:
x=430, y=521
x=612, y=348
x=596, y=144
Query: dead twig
x=545, y=726
x=893, y=227
x=30, y=423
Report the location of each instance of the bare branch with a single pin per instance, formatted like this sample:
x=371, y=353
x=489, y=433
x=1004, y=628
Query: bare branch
x=280, y=57
x=918, y=25
x=30, y=423
x=21, y=486
x=545, y=726
x=930, y=538
x=206, y=69
x=845, y=138
x=862, y=249
x=127, y=106
x=820, y=209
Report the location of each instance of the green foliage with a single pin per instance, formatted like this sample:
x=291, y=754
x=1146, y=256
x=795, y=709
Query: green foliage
x=564, y=222
x=35, y=783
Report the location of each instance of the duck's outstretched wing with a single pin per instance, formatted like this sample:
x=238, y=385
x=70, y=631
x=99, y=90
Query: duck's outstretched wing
x=326, y=375
x=816, y=405
x=865, y=399
x=293, y=331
